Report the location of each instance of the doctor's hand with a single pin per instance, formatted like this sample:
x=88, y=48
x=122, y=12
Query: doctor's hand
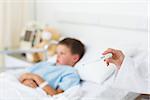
x=30, y=83
x=117, y=57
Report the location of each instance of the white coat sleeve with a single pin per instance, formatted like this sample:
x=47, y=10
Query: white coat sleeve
x=133, y=74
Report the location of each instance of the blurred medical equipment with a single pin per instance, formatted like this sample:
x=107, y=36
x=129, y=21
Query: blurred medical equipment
x=31, y=35
x=21, y=52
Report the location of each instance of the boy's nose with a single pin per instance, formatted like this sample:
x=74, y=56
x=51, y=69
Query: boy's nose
x=58, y=56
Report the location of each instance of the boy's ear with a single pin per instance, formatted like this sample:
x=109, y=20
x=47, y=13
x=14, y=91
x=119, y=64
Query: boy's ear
x=76, y=57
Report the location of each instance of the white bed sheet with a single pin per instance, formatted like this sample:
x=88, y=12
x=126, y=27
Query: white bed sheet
x=11, y=89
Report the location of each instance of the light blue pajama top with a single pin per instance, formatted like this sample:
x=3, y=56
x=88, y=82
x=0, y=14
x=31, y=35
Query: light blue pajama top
x=59, y=77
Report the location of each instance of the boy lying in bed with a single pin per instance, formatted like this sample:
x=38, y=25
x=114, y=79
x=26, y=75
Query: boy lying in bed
x=57, y=78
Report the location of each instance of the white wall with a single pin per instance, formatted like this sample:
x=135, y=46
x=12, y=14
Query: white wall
x=116, y=14
x=124, y=21
x=1, y=38
x=13, y=17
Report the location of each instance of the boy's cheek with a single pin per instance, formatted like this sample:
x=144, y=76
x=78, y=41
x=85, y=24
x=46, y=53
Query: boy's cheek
x=62, y=62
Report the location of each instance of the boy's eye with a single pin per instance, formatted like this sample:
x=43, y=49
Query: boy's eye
x=62, y=53
x=58, y=52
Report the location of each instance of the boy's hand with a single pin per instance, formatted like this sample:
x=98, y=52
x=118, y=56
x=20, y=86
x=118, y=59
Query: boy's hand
x=26, y=76
x=31, y=76
x=30, y=83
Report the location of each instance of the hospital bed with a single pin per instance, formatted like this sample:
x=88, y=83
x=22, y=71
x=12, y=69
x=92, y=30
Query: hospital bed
x=11, y=89
x=97, y=37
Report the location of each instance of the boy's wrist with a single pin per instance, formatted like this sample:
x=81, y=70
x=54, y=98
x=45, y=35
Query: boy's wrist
x=38, y=79
x=42, y=85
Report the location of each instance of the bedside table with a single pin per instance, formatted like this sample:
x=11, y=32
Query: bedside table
x=16, y=61
x=13, y=58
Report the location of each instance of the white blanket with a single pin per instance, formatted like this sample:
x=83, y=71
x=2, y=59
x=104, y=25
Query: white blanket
x=12, y=89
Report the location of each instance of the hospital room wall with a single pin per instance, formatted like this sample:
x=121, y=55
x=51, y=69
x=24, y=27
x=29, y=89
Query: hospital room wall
x=1, y=42
x=13, y=17
x=127, y=19
x=126, y=15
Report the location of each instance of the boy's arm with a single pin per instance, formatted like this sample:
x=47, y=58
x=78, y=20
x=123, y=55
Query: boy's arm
x=48, y=89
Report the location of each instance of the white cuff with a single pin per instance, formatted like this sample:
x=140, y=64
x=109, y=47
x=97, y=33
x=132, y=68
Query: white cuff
x=42, y=85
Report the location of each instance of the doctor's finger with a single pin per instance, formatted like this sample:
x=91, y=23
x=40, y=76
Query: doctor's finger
x=109, y=50
x=109, y=60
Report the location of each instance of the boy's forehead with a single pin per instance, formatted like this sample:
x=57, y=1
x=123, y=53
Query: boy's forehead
x=64, y=46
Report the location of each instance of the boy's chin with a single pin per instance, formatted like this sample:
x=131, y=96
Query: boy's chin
x=58, y=63
x=61, y=64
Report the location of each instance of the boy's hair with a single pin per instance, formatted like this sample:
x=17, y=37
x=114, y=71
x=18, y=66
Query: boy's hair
x=76, y=46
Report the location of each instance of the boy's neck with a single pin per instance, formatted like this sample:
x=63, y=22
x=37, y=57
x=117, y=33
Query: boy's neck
x=64, y=64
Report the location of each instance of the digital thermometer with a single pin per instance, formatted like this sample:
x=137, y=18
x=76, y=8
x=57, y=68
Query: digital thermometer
x=103, y=57
x=109, y=55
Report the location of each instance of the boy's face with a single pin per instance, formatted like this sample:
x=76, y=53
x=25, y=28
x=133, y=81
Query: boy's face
x=65, y=56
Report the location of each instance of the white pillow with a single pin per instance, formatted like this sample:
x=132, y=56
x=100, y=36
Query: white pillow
x=96, y=72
